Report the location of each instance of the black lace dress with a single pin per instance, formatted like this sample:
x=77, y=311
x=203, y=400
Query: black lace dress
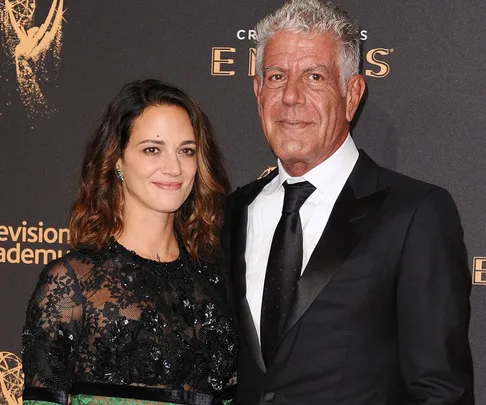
x=111, y=327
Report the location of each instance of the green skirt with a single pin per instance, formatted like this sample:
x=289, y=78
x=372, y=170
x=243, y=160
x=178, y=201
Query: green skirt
x=112, y=394
x=96, y=400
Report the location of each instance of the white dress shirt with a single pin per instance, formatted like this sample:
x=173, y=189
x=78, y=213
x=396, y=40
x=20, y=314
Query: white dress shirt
x=265, y=211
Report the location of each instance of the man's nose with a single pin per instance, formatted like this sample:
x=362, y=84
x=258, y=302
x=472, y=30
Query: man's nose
x=293, y=92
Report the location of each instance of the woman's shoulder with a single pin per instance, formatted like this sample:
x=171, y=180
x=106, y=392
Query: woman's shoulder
x=76, y=263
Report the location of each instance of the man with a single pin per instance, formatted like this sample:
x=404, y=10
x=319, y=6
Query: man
x=350, y=281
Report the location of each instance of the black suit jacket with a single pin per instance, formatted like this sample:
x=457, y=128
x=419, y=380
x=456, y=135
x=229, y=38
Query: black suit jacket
x=381, y=312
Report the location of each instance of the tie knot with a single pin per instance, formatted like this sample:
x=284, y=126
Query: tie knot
x=295, y=196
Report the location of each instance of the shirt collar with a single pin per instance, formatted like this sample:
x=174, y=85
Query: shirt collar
x=329, y=176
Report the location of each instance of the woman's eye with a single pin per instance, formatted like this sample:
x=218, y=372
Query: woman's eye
x=188, y=151
x=151, y=151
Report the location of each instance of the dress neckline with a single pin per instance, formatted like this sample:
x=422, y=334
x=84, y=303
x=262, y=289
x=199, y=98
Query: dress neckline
x=153, y=263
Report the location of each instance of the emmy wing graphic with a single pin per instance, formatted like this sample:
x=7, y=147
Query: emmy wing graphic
x=29, y=47
x=11, y=380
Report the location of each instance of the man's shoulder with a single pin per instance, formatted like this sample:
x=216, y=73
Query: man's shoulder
x=242, y=190
x=394, y=179
x=259, y=183
x=369, y=175
x=411, y=190
x=240, y=194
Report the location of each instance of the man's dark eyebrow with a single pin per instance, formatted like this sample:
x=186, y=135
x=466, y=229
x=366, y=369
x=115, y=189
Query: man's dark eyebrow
x=267, y=68
x=309, y=69
x=316, y=67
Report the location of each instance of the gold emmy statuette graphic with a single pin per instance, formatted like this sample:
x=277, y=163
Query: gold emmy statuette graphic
x=266, y=172
x=11, y=379
x=29, y=47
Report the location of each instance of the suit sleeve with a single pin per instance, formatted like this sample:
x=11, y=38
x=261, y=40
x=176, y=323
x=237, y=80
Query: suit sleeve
x=433, y=306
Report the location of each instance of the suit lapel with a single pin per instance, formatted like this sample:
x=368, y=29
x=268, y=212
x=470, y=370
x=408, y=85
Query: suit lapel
x=238, y=264
x=350, y=219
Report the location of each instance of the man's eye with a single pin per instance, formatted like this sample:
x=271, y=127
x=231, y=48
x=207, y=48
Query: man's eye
x=151, y=151
x=315, y=77
x=275, y=77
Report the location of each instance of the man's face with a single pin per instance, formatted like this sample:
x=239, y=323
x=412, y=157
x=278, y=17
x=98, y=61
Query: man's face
x=304, y=115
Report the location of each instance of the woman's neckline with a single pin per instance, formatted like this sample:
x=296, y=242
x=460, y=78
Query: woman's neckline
x=147, y=260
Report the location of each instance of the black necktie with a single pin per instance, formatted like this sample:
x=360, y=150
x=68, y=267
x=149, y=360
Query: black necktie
x=284, y=266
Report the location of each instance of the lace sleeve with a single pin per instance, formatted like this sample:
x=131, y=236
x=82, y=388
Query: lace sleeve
x=51, y=334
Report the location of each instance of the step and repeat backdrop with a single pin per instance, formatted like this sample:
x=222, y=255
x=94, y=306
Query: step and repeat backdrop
x=61, y=61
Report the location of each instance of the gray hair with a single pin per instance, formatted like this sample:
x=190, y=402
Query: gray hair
x=310, y=17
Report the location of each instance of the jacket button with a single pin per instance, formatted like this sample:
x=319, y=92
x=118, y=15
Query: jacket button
x=269, y=396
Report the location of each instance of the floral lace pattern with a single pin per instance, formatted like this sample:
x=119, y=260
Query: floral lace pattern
x=115, y=317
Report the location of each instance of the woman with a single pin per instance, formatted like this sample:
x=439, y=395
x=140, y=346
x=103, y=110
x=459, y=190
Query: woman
x=136, y=312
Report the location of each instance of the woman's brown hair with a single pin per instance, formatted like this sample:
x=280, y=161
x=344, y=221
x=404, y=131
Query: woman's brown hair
x=97, y=214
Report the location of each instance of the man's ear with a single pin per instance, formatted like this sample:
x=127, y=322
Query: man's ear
x=354, y=92
x=257, y=87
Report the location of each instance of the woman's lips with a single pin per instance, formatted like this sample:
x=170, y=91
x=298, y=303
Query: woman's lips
x=167, y=185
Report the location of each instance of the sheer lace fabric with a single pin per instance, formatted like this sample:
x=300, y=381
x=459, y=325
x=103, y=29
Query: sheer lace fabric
x=114, y=317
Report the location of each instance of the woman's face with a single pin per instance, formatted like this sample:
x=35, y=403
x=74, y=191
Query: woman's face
x=159, y=163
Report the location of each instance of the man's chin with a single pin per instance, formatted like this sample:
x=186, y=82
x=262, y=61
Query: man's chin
x=292, y=155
